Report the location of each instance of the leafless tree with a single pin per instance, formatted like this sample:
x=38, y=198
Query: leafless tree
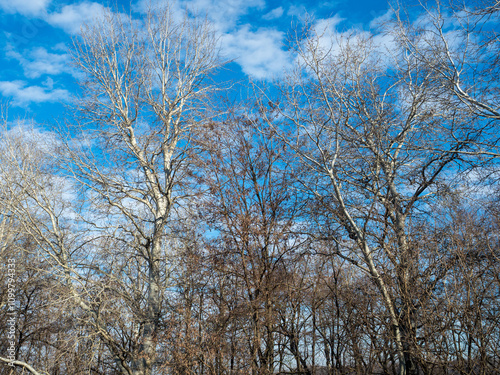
x=335, y=227
x=458, y=45
x=365, y=121
x=251, y=205
x=37, y=215
x=127, y=169
x=143, y=96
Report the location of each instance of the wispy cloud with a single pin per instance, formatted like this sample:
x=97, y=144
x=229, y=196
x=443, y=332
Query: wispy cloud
x=327, y=26
x=380, y=21
x=39, y=61
x=224, y=13
x=22, y=94
x=299, y=11
x=71, y=17
x=25, y=7
x=259, y=53
x=273, y=14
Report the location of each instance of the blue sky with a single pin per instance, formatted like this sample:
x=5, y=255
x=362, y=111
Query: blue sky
x=37, y=79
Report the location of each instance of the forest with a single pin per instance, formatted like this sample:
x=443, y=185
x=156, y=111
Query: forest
x=342, y=218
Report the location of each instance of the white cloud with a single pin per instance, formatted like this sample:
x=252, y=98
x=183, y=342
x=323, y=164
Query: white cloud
x=25, y=7
x=258, y=52
x=34, y=138
x=39, y=61
x=273, y=14
x=329, y=45
x=332, y=41
x=327, y=26
x=36, y=148
x=297, y=11
x=385, y=43
x=72, y=17
x=22, y=94
x=49, y=83
x=327, y=40
x=378, y=22
x=224, y=14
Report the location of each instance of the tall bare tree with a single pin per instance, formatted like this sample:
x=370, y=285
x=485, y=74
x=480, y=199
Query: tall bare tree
x=144, y=95
x=327, y=229
x=102, y=213
x=459, y=46
x=365, y=121
x=251, y=205
x=37, y=212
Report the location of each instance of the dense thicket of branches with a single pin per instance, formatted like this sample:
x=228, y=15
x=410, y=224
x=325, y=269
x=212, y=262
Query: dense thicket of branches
x=345, y=221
